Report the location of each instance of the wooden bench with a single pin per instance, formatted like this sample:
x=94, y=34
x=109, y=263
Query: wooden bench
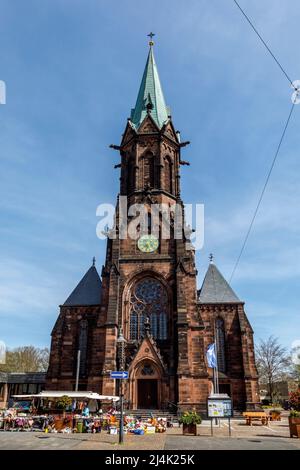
x=256, y=416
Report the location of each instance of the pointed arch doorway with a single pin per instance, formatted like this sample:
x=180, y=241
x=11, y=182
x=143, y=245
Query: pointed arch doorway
x=147, y=385
x=147, y=393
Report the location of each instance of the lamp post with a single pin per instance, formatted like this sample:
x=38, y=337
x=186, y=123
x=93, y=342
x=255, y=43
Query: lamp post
x=121, y=341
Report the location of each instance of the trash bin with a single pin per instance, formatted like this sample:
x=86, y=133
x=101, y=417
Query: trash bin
x=79, y=426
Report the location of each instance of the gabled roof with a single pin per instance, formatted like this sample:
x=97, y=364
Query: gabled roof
x=88, y=291
x=150, y=95
x=147, y=349
x=215, y=289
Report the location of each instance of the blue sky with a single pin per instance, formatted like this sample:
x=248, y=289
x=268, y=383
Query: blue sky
x=72, y=70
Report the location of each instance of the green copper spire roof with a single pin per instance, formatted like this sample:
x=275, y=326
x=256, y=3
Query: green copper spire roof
x=150, y=96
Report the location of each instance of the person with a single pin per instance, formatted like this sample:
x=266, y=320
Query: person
x=85, y=412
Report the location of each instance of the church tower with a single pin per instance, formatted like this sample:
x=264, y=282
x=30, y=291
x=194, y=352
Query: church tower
x=152, y=277
x=148, y=290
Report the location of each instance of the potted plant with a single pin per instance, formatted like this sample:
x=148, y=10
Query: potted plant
x=294, y=423
x=294, y=418
x=189, y=420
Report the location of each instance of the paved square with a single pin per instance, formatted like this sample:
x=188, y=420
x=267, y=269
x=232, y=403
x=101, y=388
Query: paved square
x=272, y=437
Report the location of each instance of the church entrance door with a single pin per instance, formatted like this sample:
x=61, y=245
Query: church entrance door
x=147, y=393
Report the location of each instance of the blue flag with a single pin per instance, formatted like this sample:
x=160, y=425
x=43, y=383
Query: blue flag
x=211, y=356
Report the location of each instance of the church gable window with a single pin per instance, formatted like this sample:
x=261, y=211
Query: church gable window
x=148, y=299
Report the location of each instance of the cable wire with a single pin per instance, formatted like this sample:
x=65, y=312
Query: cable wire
x=264, y=43
x=262, y=193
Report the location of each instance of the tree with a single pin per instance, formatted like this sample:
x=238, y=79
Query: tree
x=273, y=363
x=296, y=363
x=26, y=359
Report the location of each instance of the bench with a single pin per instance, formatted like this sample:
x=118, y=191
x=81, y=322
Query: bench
x=256, y=416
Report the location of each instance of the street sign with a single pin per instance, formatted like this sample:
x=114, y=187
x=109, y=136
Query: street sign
x=119, y=374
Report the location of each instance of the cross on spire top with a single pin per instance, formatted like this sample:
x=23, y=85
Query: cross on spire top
x=94, y=261
x=151, y=35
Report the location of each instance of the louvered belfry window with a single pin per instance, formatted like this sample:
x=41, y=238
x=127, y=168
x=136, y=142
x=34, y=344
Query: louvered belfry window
x=149, y=170
x=148, y=298
x=168, y=175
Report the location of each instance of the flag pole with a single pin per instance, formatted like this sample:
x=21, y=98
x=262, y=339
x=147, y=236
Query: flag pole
x=216, y=371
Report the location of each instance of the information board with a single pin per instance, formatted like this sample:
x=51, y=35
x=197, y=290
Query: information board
x=219, y=408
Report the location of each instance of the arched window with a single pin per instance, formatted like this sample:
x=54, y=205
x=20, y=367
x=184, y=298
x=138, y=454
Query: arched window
x=82, y=346
x=220, y=339
x=168, y=175
x=148, y=299
x=149, y=170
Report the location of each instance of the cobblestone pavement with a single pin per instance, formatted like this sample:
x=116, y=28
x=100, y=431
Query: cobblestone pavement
x=274, y=436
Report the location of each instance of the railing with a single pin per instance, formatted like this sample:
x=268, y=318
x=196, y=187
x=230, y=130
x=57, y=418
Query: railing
x=170, y=406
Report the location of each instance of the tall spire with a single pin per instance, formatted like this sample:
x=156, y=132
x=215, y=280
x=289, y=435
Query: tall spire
x=150, y=97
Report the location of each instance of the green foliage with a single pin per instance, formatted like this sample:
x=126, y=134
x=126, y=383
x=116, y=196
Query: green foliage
x=190, y=417
x=64, y=402
x=295, y=414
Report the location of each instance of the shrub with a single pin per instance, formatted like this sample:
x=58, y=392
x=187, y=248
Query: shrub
x=190, y=417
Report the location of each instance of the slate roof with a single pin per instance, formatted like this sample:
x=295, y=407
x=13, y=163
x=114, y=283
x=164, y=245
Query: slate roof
x=23, y=377
x=150, y=93
x=88, y=291
x=215, y=289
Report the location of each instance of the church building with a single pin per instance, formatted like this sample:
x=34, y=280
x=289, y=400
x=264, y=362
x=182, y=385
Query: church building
x=147, y=292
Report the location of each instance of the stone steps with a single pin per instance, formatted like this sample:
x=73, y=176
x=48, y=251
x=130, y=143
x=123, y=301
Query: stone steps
x=146, y=414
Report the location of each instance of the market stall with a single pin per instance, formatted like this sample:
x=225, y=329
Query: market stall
x=71, y=412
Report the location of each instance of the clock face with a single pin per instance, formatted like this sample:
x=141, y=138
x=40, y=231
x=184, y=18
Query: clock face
x=148, y=244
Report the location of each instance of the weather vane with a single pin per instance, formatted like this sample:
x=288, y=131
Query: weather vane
x=151, y=35
x=211, y=257
x=94, y=261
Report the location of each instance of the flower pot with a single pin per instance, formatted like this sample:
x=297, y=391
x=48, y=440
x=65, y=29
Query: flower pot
x=294, y=424
x=189, y=429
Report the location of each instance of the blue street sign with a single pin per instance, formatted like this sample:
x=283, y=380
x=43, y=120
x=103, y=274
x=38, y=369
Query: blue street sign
x=119, y=374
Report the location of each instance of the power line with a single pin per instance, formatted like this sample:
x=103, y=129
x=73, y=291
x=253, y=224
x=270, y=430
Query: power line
x=262, y=192
x=264, y=43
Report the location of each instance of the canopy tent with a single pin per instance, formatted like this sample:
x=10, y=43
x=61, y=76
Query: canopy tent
x=58, y=394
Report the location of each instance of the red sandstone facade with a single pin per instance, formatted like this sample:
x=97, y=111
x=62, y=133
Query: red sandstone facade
x=168, y=365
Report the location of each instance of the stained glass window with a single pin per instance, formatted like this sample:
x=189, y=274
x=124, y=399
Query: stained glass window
x=147, y=370
x=148, y=299
x=220, y=334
